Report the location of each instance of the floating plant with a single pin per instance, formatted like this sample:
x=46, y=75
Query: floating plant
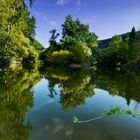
x=108, y=113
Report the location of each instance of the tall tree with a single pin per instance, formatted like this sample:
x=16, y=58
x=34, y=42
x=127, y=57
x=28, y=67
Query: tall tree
x=67, y=27
x=17, y=31
x=132, y=39
x=115, y=43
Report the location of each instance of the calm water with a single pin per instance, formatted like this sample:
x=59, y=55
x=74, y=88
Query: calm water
x=40, y=104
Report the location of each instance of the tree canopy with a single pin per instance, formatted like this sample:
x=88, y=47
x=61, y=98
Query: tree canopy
x=76, y=38
x=17, y=32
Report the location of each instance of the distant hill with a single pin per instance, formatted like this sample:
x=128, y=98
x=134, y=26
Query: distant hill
x=105, y=43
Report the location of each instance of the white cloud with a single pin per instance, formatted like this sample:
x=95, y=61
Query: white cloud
x=45, y=18
x=53, y=23
x=91, y=18
x=39, y=15
x=78, y=2
x=61, y=2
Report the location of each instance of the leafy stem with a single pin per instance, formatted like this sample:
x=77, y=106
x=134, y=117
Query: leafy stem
x=108, y=113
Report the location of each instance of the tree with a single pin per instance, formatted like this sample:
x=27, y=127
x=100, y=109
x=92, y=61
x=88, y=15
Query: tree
x=132, y=39
x=17, y=31
x=132, y=35
x=31, y=2
x=76, y=39
x=115, y=43
x=117, y=52
x=67, y=27
x=54, y=36
x=80, y=32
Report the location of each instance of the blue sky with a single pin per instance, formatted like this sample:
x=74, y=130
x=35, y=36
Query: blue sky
x=105, y=17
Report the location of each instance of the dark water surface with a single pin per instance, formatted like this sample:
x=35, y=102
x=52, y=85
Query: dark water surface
x=39, y=104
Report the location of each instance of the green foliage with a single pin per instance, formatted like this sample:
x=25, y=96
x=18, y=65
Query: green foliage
x=83, y=44
x=78, y=31
x=37, y=45
x=120, y=83
x=76, y=34
x=62, y=56
x=113, y=111
x=132, y=40
x=134, y=48
x=16, y=97
x=119, y=111
x=53, y=36
x=75, y=120
x=76, y=38
x=17, y=31
x=76, y=85
x=81, y=52
x=132, y=36
x=108, y=113
x=117, y=52
x=123, y=49
x=115, y=43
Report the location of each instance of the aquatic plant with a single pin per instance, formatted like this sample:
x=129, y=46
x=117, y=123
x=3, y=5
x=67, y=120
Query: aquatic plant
x=75, y=119
x=109, y=113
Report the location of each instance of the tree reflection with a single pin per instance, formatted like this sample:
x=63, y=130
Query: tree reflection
x=75, y=84
x=78, y=84
x=122, y=83
x=15, y=98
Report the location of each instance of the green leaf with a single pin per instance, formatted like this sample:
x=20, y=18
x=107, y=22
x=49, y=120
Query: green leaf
x=75, y=120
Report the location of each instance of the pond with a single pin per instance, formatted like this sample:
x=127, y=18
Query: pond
x=39, y=104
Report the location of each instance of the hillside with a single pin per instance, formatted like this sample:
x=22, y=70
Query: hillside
x=105, y=43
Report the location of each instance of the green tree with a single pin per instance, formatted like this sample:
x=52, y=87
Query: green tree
x=115, y=43
x=80, y=32
x=132, y=39
x=17, y=30
x=116, y=53
x=67, y=27
x=132, y=35
x=76, y=38
x=54, y=36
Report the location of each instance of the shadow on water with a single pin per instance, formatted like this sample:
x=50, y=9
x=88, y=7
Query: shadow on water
x=75, y=86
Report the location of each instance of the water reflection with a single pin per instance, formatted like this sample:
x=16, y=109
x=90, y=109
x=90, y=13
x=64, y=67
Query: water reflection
x=15, y=98
x=76, y=85
x=39, y=104
x=123, y=83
